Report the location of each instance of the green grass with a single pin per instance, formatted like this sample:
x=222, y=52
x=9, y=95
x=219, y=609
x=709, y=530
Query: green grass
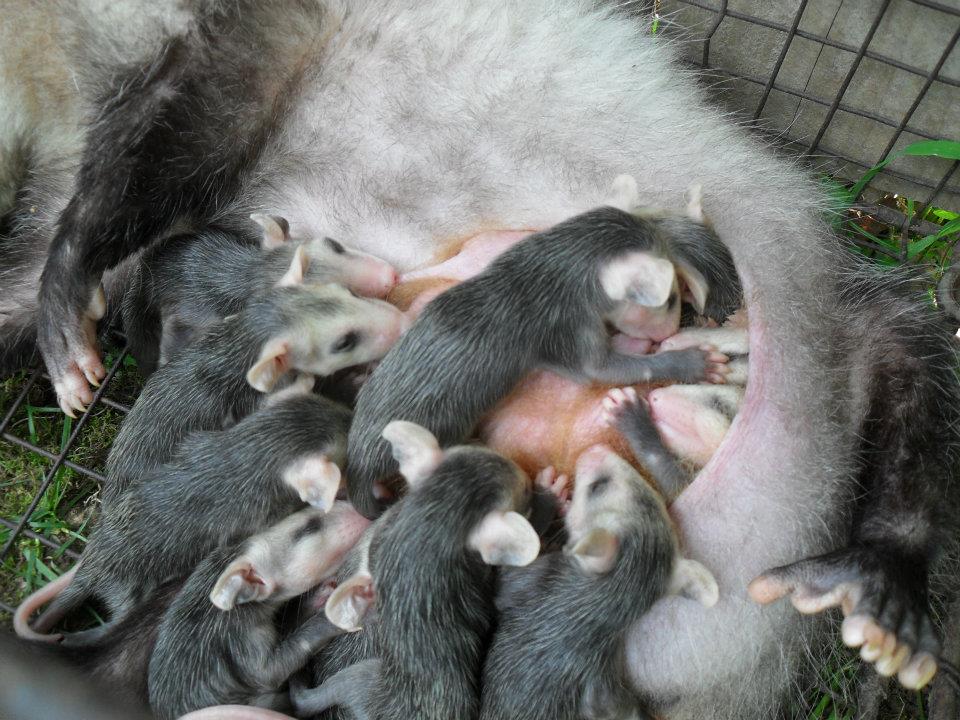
x=68, y=506
x=70, y=502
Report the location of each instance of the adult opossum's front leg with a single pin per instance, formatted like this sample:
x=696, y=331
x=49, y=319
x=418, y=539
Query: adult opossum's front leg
x=159, y=151
x=880, y=580
x=686, y=366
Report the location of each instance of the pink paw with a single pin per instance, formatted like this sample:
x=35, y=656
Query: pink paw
x=717, y=368
x=617, y=402
x=557, y=485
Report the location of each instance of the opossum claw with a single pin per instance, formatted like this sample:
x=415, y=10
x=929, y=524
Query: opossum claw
x=886, y=610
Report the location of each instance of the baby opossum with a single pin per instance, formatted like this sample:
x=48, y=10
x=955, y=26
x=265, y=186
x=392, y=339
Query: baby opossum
x=558, y=650
x=428, y=571
x=190, y=281
x=222, y=376
x=218, y=644
x=544, y=303
x=218, y=487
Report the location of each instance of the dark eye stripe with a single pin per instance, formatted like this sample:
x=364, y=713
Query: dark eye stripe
x=347, y=342
x=599, y=485
x=335, y=246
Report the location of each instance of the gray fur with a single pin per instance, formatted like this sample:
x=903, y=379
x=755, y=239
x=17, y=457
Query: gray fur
x=434, y=606
x=219, y=486
x=188, y=282
x=538, y=305
x=205, y=656
x=205, y=387
x=558, y=650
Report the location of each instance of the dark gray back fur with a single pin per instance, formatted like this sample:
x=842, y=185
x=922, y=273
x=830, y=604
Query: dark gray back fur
x=219, y=487
x=205, y=387
x=558, y=652
x=539, y=304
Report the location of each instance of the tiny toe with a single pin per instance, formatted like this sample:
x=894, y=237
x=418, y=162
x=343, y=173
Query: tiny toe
x=853, y=630
x=631, y=394
x=871, y=652
x=890, y=665
x=918, y=671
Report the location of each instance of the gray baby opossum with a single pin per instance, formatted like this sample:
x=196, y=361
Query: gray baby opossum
x=190, y=281
x=222, y=376
x=218, y=643
x=544, y=303
x=557, y=653
x=429, y=572
x=218, y=487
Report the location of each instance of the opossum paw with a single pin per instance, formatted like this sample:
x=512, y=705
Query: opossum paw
x=619, y=401
x=556, y=485
x=315, y=478
x=883, y=597
x=717, y=368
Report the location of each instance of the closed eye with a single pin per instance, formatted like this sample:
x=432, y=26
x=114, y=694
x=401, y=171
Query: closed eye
x=346, y=342
x=335, y=246
x=598, y=486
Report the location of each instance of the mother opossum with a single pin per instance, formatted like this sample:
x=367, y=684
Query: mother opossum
x=399, y=126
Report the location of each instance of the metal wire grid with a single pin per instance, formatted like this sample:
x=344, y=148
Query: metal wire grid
x=57, y=460
x=835, y=103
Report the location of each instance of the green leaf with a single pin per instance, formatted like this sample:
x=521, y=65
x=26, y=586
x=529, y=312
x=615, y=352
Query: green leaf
x=949, y=149
x=917, y=247
x=943, y=214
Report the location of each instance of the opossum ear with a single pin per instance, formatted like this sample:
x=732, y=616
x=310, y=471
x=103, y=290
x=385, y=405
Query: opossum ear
x=505, y=538
x=298, y=268
x=624, y=194
x=273, y=362
x=349, y=603
x=697, y=287
x=640, y=278
x=240, y=583
x=276, y=230
x=414, y=448
x=694, y=198
x=596, y=552
x=692, y=580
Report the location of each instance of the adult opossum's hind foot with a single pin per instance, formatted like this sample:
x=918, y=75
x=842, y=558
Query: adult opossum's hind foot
x=886, y=611
x=556, y=485
x=71, y=354
x=315, y=478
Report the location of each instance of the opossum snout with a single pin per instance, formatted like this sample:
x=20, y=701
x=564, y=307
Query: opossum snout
x=372, y=277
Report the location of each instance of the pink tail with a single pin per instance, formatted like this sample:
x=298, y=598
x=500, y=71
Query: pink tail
x=234, y=712
x=21, y=618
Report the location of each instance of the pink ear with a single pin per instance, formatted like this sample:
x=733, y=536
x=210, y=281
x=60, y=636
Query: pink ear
x=350, y=602
x=275, y=230
x=505, y=538
x=414, y=448
x=596, y=552
x=696, y=286
x=624, y=194
x=638, y=277
x=298, y=268
x=240, y=583
x=273, y=362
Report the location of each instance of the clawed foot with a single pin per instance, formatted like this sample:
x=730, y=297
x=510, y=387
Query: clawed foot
x=316, y=479
x=556, y=485
x=883, y=600
x=620, y=401
x=71, y=355
x=716, y=370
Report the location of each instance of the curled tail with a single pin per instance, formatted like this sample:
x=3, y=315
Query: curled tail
x=62, y=603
